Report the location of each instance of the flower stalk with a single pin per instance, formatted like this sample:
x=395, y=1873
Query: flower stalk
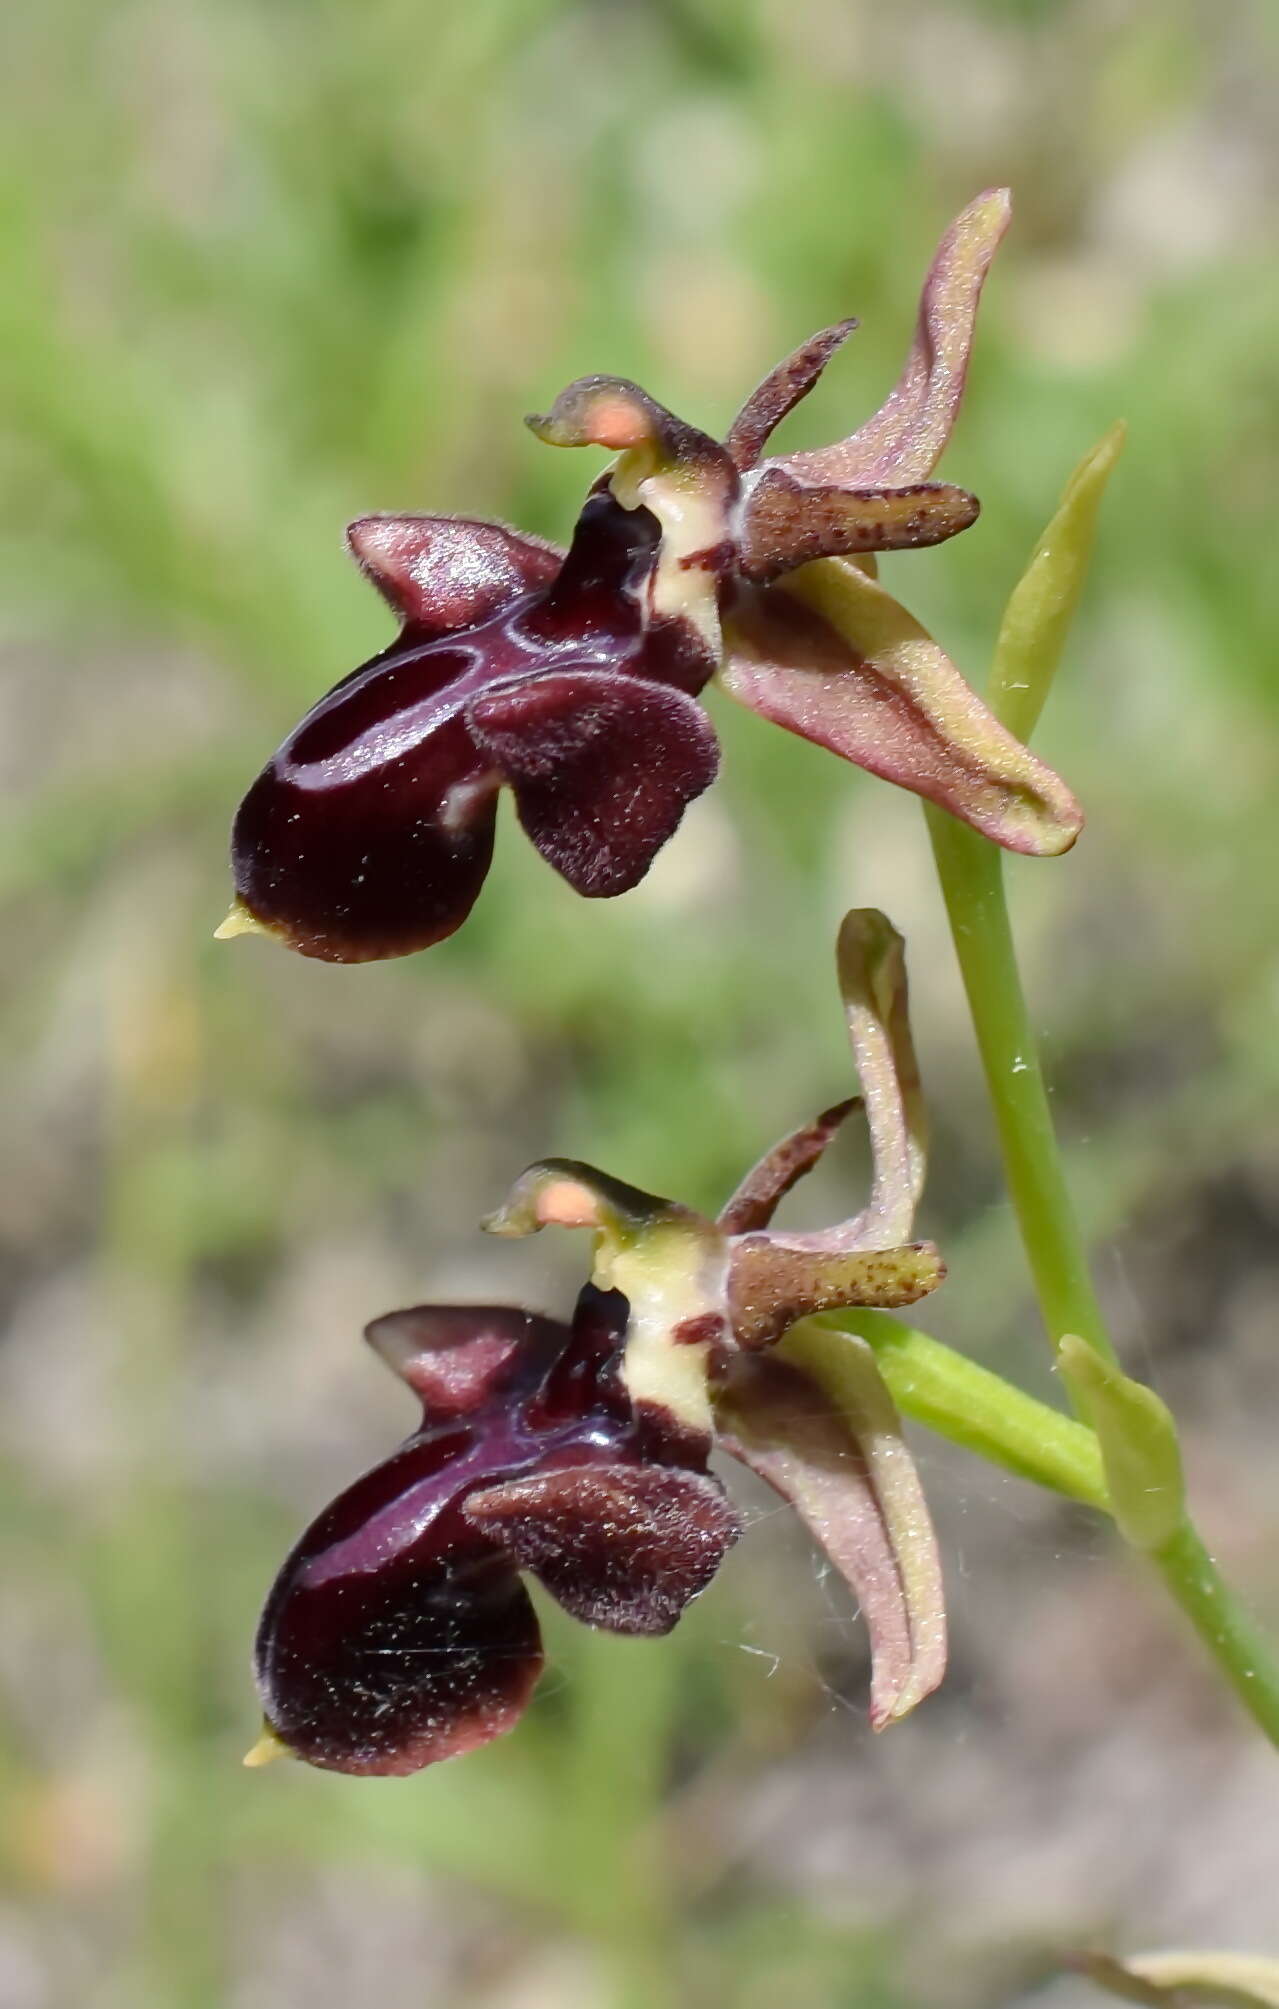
x=1238, y=1646
x=970, y=1406
x=972, y=884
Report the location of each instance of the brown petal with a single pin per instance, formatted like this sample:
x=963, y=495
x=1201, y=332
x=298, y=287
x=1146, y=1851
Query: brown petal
x=773, y=1284
x=780, y=392
x=756, y=1199
x=621, y=1546
x=906, y=437
x=788, y=522
x=831, y=656
x=447, y=572
x=834, y=1449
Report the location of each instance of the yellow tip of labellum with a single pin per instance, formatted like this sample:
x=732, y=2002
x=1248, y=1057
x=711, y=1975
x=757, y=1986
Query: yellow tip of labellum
x=268, y=1748
x=239, y=921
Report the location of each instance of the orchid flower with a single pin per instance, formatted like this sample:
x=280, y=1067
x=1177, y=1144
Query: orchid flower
x=574, y=678
x=399, y=1631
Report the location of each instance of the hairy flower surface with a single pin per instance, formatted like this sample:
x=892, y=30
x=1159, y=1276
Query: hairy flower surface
x=399, y=1631
x=573, y=678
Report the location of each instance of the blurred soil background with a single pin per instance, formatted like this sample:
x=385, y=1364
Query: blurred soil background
x=266, y=266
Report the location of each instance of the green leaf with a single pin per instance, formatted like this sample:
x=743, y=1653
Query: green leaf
x=1138, y=1440
x=1042, y=604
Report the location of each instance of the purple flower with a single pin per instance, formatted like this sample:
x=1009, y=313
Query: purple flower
x=573, y=678
x=399, y=1631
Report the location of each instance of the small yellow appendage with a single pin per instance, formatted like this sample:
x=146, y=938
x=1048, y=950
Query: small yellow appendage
x=239, y=921
x=268, y=1748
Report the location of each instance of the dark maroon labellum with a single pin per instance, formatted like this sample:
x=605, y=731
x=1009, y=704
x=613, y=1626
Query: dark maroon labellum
x=370, y=831
x=398, y=1632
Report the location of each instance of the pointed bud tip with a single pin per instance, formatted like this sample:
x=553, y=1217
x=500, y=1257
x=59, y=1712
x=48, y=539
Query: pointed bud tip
x=268, y=1748
x=499, y=1223
x=994, y=206
x=1055, y=835
x=374, y=539
x=543, y=427
x=239, y=921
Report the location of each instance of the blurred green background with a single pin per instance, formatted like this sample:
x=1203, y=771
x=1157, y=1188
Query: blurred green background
x=266, y=265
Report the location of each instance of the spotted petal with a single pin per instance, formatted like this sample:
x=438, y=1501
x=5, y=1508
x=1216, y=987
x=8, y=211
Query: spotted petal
x=774, y=1281
x=603, y=767
x=834, y=658
x=767, y=1183
x=788, y=522
x=780, y=392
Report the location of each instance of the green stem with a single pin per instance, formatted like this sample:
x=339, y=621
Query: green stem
x=979, y=1410
x=1239, y=1648
x=972, y=881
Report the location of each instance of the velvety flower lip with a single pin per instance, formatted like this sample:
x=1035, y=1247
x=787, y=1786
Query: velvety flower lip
x=370, y=832
x=572, y=678
x=399, y=1631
